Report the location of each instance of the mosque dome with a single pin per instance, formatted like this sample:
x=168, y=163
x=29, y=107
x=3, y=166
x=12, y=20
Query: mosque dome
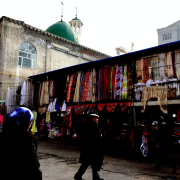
x=63, y=30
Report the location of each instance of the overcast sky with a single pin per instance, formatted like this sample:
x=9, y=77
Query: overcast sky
x=107, y=24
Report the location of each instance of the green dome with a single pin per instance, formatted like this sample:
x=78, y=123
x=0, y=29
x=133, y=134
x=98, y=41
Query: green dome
x=63, y=30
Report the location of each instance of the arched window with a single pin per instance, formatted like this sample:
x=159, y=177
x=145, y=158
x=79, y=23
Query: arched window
x=27, y=55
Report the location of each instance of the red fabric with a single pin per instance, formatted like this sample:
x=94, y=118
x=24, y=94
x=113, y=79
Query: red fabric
x=113, y=80
x=69, y=88
x=83, y=88
x=73, y=86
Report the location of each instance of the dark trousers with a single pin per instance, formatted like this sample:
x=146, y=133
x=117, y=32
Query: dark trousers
x=161, y=155
x=83, y=168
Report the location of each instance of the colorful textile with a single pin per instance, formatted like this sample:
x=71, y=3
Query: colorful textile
x=156, y=68
x=57, y=106
x=69, y=88
x=67, y=85
x=52, y=89
x=77, y=89
x=99, y=86
x=94, y=86
x=1, y=120
x=146, y=70
x=21, y=116
x=42, y=94
x=113, y=81
x=73, y=88
x=90, y=87
x=40, y=90
x=81, y=81
x=83, y=87
x=102, y=83
x=129, y=82
x=177, y=63
x=116, y=81
x=110, y=84
x=162, y=59
x=138, y=69
x=124, y=85
x=46, y=93
x=170, y=65
x=86, y=85
x=152, y=68
x=48, y=118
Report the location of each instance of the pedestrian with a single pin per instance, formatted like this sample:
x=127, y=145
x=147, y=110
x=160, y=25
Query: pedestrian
x=92, y=148
x=163, y=144
x=18, y=147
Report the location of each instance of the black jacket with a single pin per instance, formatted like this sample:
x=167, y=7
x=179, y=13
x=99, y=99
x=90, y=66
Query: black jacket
x=18, y=156
x=92, y=146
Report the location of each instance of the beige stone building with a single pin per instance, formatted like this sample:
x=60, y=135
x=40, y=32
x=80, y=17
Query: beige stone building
x=26, y=51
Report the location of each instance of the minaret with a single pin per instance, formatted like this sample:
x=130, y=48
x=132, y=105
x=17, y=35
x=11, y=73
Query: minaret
x=76, y=24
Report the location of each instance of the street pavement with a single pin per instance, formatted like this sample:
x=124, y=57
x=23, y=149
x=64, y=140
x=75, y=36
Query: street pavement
x=59, y=161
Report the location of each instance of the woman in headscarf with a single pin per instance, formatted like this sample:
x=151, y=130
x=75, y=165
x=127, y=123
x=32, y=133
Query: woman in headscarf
x=18, y=147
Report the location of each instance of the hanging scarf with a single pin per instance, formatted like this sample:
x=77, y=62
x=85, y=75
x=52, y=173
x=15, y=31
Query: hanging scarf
x=110, y=85
x=77, y=89
x=46, y=93
x=177, y=64
x=116, y=81
x=73, y=87
x=152, y=68
x=42, y=94
x=90, y=87
x=129, y=82
x=161, y=58
x=82, y=99
x=124, y=86
x=149, y=68
x=80, y=87
x=113, y=81
x=138, y=69
x=170, y=65
x=69, y=88
x=94, y=86
x=99, y=86
x=86, y=85
x=156, y=68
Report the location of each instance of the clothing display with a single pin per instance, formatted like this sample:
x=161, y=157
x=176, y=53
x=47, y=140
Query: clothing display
x=51, y=107
x=77, y=88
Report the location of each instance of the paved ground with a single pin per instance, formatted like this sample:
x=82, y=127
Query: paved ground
x=59, y=161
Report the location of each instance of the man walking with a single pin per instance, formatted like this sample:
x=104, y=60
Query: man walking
x=92, y=148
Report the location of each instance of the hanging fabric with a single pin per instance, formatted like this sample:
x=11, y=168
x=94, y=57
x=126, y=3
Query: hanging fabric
x=46, y=93
x=86, y=85
x=69, y=88
x=64, y=107
x=90, y=87
x=170, y=65
x=116, y=81
x=42, y=94
x=99, y=86
x=129, y=82
x=82, y=99
x=80, y=89
x=124, y=85
x=51, y=106
x=162, y=59
x=94, y=86
x=73, y=87
x=23, y=93
x=156, y=68
x=138, y=69
x=77, y=88
x=110, y=84
x=146, y=70
x=152, y=68
x=177, y=64
x=48, y=117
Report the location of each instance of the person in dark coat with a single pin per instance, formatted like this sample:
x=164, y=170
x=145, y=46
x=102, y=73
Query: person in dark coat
x=18, y=148
x=92, y=148
x=164, y=143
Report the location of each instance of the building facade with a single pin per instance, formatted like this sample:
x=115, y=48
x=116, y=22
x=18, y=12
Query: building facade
x=27, y=51
x=169, y=34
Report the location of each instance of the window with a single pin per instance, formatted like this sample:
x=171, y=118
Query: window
x=27, y=55
x=167, y=36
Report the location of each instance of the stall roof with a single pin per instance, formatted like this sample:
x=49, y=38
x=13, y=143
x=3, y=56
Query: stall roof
x=111, y=60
